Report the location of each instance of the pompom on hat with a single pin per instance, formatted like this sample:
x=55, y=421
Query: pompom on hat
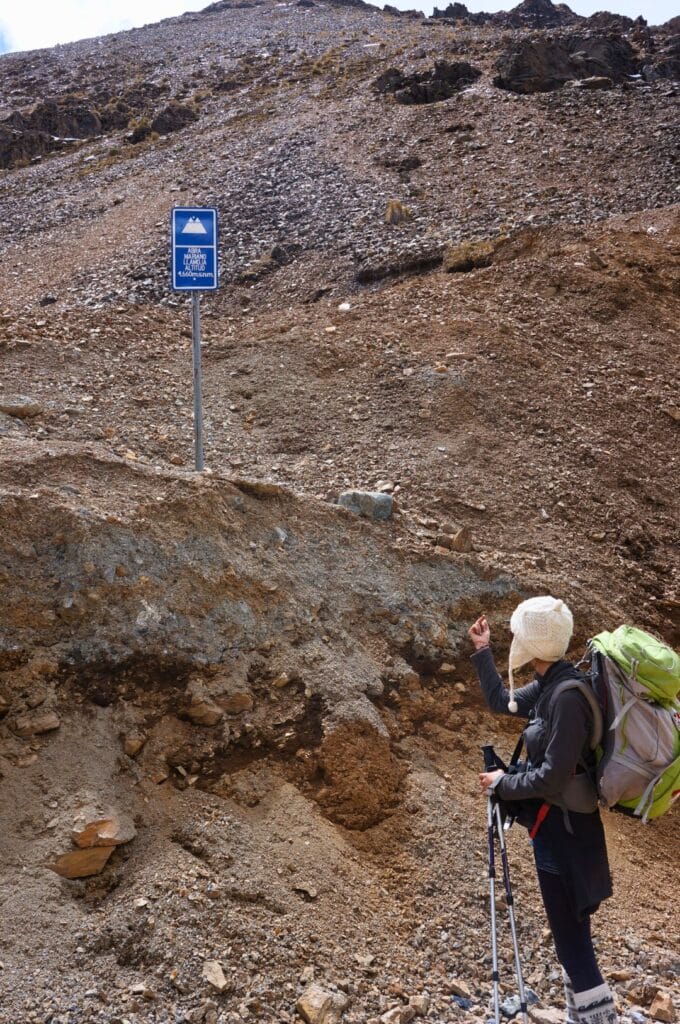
x=541, y=628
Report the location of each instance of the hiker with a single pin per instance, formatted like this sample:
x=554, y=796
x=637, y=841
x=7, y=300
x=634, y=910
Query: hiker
x=552, y=793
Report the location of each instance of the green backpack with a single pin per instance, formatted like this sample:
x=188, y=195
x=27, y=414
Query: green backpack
x=635, y=680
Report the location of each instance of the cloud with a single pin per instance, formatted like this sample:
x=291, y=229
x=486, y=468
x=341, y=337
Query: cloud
x=33, y=24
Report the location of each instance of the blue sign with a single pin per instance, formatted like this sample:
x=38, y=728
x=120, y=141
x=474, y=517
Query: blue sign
x=194, y=249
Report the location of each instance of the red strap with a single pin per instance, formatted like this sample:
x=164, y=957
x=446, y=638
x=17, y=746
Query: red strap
x=540, y=818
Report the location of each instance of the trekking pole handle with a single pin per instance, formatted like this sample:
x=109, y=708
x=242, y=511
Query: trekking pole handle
x=489, y=757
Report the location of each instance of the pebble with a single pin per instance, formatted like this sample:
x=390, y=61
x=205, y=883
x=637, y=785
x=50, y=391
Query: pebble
x=369, y=504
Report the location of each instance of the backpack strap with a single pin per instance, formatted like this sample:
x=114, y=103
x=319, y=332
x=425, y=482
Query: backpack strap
x=582, y=686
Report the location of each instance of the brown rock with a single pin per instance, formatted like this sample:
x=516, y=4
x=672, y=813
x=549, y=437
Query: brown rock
x=81, y=863
x=212, y=973
x=237, y=703
x=459, y=988
x=281, y=680
x=133, y=743
x=112, y=831
x=203, y=711
x=662, y=1008
x=462, y=541
x=398, y=1015
x=317, y=1006
x=546, y=1015
x=20, y=406
x=35, y=725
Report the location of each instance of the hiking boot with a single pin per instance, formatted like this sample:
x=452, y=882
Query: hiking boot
x=596, y=1006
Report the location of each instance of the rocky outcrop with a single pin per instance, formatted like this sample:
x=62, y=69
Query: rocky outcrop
x=664, y=63
x=214, y=596
x=439, y=83
x=547, y=62
x=539, y=14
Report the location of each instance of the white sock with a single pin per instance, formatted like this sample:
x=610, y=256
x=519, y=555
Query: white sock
x=572, y=1012
x=596, y=1005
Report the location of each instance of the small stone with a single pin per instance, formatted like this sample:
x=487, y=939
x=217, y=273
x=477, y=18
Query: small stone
x=20, y=406
x=595, y=82
x=36, y=725
x=624, y=975
x=81, y=863
x=318, y=1006
x=546, y=1015
x=115, y=830
x=459, y=988
x=420, y=1004
x=281, y=680
x=212, y=973
x=133, y=743
x=462, y=541
x=510, y=1007
x=398, y=1015
x=203, y=711
x=662, y=1008
x=143, y=990
x=237, y=703
x=370, y=504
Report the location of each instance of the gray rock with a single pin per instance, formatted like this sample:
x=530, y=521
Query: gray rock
x=21, y=406
x=370, y=504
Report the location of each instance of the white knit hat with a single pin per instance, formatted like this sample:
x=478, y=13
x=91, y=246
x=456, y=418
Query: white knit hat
x=541, y=628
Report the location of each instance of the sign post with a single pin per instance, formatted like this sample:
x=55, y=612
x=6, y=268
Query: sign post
x=194, y=269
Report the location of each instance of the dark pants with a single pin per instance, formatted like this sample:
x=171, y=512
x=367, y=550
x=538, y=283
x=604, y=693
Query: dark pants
x=573, y=941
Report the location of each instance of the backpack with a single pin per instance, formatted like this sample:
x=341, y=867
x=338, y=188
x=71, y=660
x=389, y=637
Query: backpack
x=633, y=688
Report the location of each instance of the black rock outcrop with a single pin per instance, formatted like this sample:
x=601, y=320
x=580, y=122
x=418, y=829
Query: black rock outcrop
x=546, y=63
x=441, y=82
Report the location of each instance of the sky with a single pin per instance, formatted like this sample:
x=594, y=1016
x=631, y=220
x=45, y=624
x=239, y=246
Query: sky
x=31, y=24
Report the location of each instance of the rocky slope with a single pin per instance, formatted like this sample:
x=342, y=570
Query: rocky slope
x=449, y=259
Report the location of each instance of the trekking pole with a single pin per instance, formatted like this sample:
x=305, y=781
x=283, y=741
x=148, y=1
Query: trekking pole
x=489, y=764
x=511, y=911
x=495, y=820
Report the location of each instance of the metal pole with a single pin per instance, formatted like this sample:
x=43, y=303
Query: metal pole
x=492, y=906
x=511, y=909
x=198, y=396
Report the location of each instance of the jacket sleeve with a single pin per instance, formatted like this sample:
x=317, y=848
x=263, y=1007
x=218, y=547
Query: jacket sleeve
x=570, y=731
x=495, y=694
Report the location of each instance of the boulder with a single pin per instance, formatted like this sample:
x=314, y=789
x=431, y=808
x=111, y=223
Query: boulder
x=370, y=504
x=439, y=83
x=544, y=63
x=21, y=406
x=173, y=117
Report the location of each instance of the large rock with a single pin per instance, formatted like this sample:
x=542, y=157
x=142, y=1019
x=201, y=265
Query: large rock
x=371, y=504
x=82, y=863
x=547, y=62
x=318, y=1006
x=442, y=81
x=173, y=117
x=21, y=406
x=113, y=830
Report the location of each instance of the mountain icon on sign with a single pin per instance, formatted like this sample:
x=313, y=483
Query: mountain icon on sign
x=193, y=227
